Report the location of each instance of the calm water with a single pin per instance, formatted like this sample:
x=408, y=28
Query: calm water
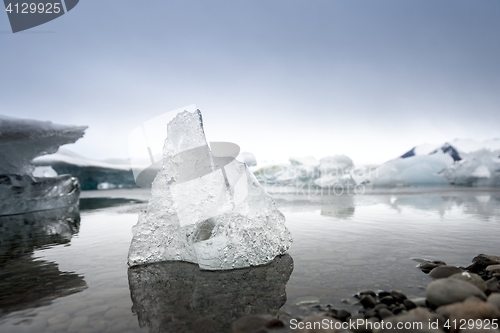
x=73, y=277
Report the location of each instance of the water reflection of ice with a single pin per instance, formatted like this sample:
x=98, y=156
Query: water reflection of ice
x=179, y=297
x=25, y=281
x=483, y=204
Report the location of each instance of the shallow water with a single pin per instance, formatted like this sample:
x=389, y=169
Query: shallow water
x=74, y=278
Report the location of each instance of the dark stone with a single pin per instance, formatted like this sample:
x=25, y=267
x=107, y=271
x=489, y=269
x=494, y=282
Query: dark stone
x=442, y=272
x=446, y=291
x=398, y=296
x=388, y=300
x=398, y=309
x=384, y=313
x=370, y=313
x=493, y=286
x=367, y=301
x=343, y=314
x=409, y=304
x=426, y=266
x=480, y=262
x=380, y=306
x=383, y=294
x=275, y=323
x=367, y=292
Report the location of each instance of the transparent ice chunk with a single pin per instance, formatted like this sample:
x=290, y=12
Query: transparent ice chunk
x=206, y=208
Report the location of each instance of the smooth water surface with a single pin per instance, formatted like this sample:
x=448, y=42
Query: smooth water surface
x=70, y=277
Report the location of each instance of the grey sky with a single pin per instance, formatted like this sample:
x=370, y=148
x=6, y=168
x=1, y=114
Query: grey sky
x=369, y=79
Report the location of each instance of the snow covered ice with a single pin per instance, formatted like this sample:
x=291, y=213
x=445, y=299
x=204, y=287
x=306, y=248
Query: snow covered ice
x=479, y=168
x=206, y=208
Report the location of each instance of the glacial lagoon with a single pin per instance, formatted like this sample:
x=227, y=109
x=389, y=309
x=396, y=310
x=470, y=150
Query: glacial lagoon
x=73, y=277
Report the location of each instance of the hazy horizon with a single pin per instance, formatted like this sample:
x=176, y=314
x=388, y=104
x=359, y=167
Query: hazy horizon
x=369, y=80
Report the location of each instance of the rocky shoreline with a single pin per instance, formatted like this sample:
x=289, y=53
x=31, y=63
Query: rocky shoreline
x=458, y=299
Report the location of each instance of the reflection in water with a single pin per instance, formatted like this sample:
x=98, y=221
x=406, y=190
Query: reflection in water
x=483, y=205
x=24, y=281
x=28, y=283
x=342, y=208
x=178, y=297
x=98, y=203
x=23, y=233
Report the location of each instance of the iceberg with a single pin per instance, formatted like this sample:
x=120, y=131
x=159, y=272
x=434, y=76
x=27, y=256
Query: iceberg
x=23, y=188
x=21, y=140
x=479, y=168
x=414, y=170
x=206, y=208
x=335, y=171
x=25, y=193
x=461, y=162
x=92, y=174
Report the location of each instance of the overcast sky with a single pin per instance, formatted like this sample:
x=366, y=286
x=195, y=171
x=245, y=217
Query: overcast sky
x=369, y=79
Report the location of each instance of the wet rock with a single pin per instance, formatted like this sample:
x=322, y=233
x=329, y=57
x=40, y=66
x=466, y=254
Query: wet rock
x=398, y=309
x=387, y=300
x=409, y=304
x=419, y=301
x=471, y=278
x=398, y=296
x=380, y=306
x=367, y=292
x=370, y=313
x=385, y=313
x=470, y=309
x=446, y=291
x=493, y=286
x=494, y=299
x=383, y=294
x=426, y=266
x=442, y=272
x=343, y=314
x=482, y=261
x=493, y=268
x=367, y=301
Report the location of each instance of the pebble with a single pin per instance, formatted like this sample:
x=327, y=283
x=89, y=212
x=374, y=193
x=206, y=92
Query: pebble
x=384, y=313
x=367, y=301
x=426, y=265
x=494, y=299
x=446, y=291
x=442, y=272
x=470, y=309
x=471, y=278
x=494, y=268
x=493, y=285
x=409, y=304
x=398, y=296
